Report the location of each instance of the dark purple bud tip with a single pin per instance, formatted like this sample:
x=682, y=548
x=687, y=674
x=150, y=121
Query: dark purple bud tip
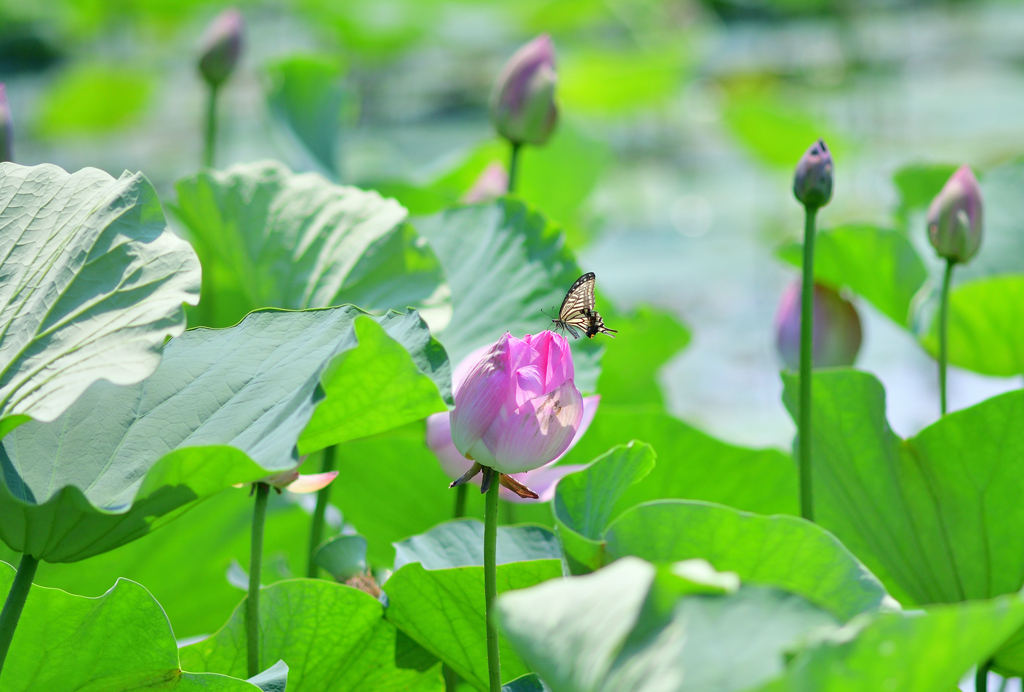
x=222, y=46
x=812, y=182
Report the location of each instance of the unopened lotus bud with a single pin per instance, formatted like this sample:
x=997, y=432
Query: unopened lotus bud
x=812, y=182
x=6, y=127
x=954, y=217
x=837, y=333
x=222, y=46
x=523, y=102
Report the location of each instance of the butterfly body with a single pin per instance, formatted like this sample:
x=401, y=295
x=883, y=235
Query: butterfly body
x=577, y=310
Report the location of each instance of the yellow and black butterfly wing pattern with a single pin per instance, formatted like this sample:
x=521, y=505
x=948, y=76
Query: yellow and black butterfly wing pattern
x=577, y=311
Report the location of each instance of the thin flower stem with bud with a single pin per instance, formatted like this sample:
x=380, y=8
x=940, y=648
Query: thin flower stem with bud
x=943, y=333
x=806, y=366
x=491, y=585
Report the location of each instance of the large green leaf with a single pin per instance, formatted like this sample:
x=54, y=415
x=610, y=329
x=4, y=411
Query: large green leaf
x=92, y=284
x=631, y=627
x=928, y=515
x=460, y=543
x=118, y=642
x=305, y=93
x=691, y=464
x=225, y=406
x=879, y=265
x=986, y=326
x=273, y=238
x=780, y=551
x=443, y=610
x=332, y=636
x=505, y=264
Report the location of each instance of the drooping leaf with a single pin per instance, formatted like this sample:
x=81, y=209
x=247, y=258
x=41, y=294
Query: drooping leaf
x=443, y=611
x=632, y=627
x=926, y=514
x=460, y=543
x=120, y=641
x=691, y=464
x=781, y=551
x=273, y=679
x=505, y=263
x=225, y=406
x=92, y=284
x=342, y=556
x=306, y=94
x=986, y=326
x=272, y=238
x=877, y=264
x=332, y=636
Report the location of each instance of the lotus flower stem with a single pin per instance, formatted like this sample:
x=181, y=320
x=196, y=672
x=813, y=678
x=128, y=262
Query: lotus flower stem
x=323, y=496
x=943, y=329
x=16, y=602
x=981, y=677
x=252, y=604
x=491, y=584
x=513, y=166
x=451, y=679
x=806, y=365
x=460, y=502
x=210, y=132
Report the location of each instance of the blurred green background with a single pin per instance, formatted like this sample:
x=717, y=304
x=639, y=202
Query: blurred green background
x=670, y=170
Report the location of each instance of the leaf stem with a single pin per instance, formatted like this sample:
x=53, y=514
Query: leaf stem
x=460, y=501
x=323, y=497
x=16, y=602
x=210, y=130
x=491, y=584
x=981, y=677
x=806, y=366
x=943, y=331
x=252, y=603
x=513, y=167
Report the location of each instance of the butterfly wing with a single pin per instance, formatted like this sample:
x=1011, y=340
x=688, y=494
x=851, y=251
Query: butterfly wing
x=595, y=325
x=576, y=305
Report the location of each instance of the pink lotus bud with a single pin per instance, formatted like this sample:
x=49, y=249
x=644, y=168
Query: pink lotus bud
x=518, y=408
x=222, y=46
x=812, y=182
x=523, y=101
x=954, y=217
x=837, y=335
x=492, y=184
x=6, y=127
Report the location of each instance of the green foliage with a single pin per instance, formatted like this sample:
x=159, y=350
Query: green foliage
x=95, y=301
x=917, y=184
x=124, y=460
x=343, y=557
x=1002, y=245
x=92, y=100
x=615, y=82
x=306, y=94
x=986, y=326
x=443, y=611
x=460, y=543
x=331, y=636
x=120, y=641
x=270, y=237
x=878, y=264
x=927, y=515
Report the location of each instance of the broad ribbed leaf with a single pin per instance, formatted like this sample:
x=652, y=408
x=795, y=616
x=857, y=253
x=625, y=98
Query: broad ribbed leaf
x=91, y=285
x=118, y=642
x=460, y=543
x=225, y=406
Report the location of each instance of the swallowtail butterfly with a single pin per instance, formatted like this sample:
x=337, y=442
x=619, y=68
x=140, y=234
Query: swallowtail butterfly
x=577, y=311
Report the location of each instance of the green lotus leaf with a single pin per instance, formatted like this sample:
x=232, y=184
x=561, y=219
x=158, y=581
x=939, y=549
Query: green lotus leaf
x=460, y=543
x=92, y=284
x=332, y=636
x=225, y=406
x=342, y=556
x=118, y=642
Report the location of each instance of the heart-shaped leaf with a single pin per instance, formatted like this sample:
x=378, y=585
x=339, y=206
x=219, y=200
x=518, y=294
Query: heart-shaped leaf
x=120, y=641
x=225, y=406
x=92, y=284
x=272, y=238
x=332, y=636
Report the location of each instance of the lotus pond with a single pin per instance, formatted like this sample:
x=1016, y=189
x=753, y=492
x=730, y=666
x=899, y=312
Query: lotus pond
x=449, y=345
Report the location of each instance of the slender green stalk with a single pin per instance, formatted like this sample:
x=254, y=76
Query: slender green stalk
x=15, y=602
x=252, y=604
x=491, y=584
x=943, y=330
x=513, y=167
x=323, y=497
x=806, y=366
x=460, y=501
x=451, y=678
x=981, y=677
x=210, y=130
